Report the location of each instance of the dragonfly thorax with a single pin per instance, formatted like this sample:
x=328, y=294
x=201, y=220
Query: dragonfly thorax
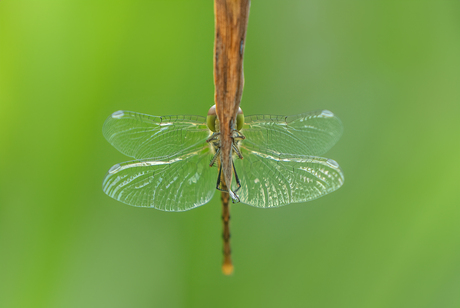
x=214, y=140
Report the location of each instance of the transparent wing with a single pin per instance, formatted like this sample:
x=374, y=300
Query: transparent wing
x=312, y=133
x=144, y=136
x=175, y=184
x=273, y=181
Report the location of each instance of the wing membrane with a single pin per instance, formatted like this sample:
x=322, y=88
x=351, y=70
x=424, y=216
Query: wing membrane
x=144, y=136
x=273, y=181
x=312, y=133
x=175, y=184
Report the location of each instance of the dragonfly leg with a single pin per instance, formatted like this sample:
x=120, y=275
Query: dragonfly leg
x=213, y=160
x=213, y=137
x=237, y=151
x=232, y=194
x=235, y=198
x=219, y=182
x=218, y=179
x=237, y=135
x=236, y=179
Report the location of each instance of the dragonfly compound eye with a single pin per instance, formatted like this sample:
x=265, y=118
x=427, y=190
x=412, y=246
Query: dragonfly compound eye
x=211, y=119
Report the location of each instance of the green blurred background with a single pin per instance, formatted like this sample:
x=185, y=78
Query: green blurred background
x=390, y=237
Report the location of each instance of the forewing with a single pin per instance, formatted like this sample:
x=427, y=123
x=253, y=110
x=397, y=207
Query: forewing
x=144, y=136
x=273, y=181
x=312, y=133
x=174, y=184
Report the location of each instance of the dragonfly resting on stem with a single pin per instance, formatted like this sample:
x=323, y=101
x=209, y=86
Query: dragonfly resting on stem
x=275, y=159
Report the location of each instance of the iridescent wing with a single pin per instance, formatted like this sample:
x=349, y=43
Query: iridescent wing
x=312, y=133
x=276, y=180
x=177, y=183
x=144, y=136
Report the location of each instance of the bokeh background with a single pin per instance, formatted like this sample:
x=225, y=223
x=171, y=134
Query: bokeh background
x=390, y=237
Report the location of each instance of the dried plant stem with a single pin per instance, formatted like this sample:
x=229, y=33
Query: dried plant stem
x=231, y=20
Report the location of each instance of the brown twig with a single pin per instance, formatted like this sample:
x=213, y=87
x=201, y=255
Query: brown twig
x=231, y=19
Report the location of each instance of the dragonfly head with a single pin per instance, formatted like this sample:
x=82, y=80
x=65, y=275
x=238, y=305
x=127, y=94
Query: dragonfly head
x=212, y=119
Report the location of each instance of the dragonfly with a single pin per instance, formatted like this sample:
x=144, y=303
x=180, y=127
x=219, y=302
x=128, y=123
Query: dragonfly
x=176, y=166
x=274, y=159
